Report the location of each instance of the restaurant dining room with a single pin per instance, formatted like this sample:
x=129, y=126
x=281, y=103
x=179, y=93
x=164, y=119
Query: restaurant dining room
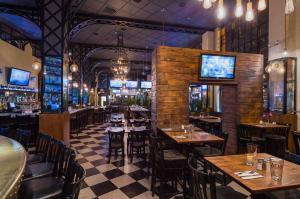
x=149, y=99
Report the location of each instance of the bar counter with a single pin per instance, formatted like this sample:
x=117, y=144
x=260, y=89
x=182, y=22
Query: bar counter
x=12, y=164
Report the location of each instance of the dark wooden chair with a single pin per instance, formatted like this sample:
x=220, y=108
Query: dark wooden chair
x=64, y=183
x=50, y=165
x=296, y=136
x=245, y=136
x=276, y=145
x=23, y=137
x=214, y=149
x=42, y=149
x=169, y=166
x=200, y=181
x=5, y=131
x=283, y=132
x=292, y=157
x=115, y=142
x=137, y=142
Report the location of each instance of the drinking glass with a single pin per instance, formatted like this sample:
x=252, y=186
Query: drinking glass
x=251, y=154
x=276, y=166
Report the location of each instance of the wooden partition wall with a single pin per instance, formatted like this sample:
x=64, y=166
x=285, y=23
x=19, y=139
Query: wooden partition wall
x=173, y=69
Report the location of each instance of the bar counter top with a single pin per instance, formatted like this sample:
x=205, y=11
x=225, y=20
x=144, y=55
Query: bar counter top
x=12, y=164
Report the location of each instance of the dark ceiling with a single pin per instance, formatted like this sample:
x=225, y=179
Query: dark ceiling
x=177, y=12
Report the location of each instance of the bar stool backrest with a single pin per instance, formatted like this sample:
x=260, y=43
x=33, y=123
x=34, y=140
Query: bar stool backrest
x=74, y=179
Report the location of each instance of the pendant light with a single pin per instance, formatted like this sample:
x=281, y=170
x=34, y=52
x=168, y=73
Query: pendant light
x=74, y=68
x=221, y=12
x=239, y=11
x=207, y=4
x=249, y=12
x=261, y=5
x=289, y=7
x=285, y=52
x=36, y=65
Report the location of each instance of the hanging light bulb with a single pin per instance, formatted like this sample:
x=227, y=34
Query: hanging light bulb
x=281, y=69
x=261, y=5
x=285, y=52
x=239, y=11
x=84, y=86
x=289, y=7
x=75, y=85
x=249, y=12
x=221, y=12
x=70, y=77
x=74, y=68
x=268, y=68
x=36, y=65
x=207, y=4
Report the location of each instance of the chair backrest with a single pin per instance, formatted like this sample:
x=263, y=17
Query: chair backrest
x=5, y=131
x=43, y=142
x=138, y=136
x=54, y=151
x=116, y=136
x=282, y=131
x=74, y=179
x=292, y=157
x=64, y=158
x=222, y=145
x=23, y=137
x=200, y=180
x=296, y=136
x=244, y=131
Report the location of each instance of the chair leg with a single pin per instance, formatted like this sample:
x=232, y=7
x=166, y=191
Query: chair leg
x=109, y=153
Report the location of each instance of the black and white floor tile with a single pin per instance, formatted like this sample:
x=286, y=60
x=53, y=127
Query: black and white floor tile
x=118, y=179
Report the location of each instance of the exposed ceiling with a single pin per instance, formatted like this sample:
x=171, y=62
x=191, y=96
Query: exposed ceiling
x=178, y=12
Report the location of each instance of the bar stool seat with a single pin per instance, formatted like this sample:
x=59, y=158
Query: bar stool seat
x=48, y=187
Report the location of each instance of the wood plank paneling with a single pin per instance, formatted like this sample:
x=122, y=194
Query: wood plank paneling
x=173, y=69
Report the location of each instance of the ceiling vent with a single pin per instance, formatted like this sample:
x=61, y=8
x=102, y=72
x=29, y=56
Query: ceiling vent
x=109, y=10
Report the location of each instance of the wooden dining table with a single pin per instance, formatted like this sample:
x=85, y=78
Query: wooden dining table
x=264, y=125
x=236, y=163
x=197, y=137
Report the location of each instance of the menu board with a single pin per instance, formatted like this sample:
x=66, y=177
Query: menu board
x=52, y=87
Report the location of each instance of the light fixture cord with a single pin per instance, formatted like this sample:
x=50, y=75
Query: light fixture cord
x=285, y=29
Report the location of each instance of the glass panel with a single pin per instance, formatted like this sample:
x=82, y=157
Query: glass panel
x=276, y=86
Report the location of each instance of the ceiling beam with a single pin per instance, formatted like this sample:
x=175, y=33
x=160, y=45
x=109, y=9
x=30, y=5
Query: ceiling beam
x=83, y=20
x=136, y=62
x=91, y=47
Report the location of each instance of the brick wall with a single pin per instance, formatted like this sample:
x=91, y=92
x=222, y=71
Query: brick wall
x=173, y=69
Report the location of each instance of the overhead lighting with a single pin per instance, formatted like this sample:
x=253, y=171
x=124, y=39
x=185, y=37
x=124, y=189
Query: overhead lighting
x=289, y=7
x=221, y=13
x=261, y=5
x=75, y=85
x=207, y=4
x=74, y=68
x=36, y=65
x=84, y=86
x=249, y=12
x=70, y=77
x=239, y=11
x=285, y=52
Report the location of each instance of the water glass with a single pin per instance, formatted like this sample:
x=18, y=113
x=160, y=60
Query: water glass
x=276, y=166
x=251, y=154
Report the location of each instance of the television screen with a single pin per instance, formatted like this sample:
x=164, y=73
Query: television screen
x=146, y=85
x=116, y=91
x=217, y=66
x=18, y=77
x=131, y=84
x=116, y=84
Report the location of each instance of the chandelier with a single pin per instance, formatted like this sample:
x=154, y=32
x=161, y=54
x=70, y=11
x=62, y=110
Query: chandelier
x=239, y=8
x=121, y=65
x=277, y=67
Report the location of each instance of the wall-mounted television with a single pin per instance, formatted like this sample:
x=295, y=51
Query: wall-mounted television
x=146, y=84
x=217, y=67
x=116, y=84
x=18, y=77
x=131, y=84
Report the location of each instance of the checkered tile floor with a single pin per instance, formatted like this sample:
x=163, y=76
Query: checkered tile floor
x=118, y=179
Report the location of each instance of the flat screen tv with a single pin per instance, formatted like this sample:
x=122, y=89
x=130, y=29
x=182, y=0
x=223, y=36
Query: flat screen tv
x=131, y=84
x=217, y=67
x=116, y=84
x=146, y=84
x=18, y=77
